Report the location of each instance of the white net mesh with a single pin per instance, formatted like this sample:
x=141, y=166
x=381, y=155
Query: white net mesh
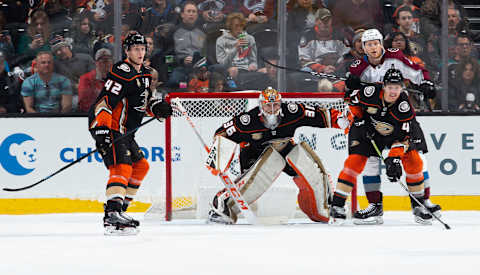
x=191, y=183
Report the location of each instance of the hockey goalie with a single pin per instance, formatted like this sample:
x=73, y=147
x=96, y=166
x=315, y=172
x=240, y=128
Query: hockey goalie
x=265, y=136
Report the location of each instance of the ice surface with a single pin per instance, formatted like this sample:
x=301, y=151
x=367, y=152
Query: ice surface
x=75, y=244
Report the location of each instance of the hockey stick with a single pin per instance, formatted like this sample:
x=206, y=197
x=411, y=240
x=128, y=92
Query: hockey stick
x=406, y=188
x=313, y=73
x=78, y=160
x=227, y=182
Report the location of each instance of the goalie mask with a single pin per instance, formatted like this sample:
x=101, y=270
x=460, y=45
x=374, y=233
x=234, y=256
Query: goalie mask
x=270, y=107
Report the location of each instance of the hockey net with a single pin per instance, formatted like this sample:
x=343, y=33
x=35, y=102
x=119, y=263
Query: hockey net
x=189, y=186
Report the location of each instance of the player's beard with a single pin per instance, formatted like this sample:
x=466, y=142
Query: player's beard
x=271, y=121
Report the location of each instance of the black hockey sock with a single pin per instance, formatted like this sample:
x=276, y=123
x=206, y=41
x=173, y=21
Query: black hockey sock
x=126, y=203
x=114, y=205
x=338, y=199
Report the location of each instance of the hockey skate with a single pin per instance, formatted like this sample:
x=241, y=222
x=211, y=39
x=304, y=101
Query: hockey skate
x=337, y=215
x=421, y=216
x=373, y=214
x=117, y=225
x=128, y=217
x=434, y=208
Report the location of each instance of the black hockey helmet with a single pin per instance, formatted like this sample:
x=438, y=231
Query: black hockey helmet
x=134, y=38
x=393, y=76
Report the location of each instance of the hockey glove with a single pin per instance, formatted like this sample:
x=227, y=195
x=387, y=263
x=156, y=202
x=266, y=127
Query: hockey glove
x=353, y=82
x=160, y=108
x=103, y=139
x=394, y=168
x=427, y=88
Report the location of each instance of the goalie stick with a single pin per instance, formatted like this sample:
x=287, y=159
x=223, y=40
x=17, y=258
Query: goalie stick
x=78, y=160
x=227, y=182
x=406, y=188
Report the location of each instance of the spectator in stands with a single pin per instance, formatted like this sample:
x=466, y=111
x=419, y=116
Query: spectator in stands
x=319, y=41
x=37, y=36
x=236, y=51
x=91, y=83
x=10, y=98
x=6, y=45
x=71, y=65
x=270, y=71
x=415, y=11
x=83, y=35
x=464, y=49
x=467, y=81
x=58, y=16
x=214, y=12
x=46, y=91
x=405, y=21
x=469, y=105
x=188, y=39
x=161, y=12
x=356, y=52
x=259, y=14
x=357, y=14
x=400, y=41
x=200, y=82
x=301, y=16
x=217, y=83
x=131, y=16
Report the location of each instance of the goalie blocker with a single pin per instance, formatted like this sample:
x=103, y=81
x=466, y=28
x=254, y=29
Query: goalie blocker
x=311, y=179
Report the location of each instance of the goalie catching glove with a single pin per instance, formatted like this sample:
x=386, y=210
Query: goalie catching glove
x=160, y=108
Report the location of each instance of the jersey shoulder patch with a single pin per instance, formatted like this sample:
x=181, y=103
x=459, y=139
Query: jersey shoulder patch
x=369, y=91
x=123, y=71
x=358, y=66
x=402, y=110
x=292, y=108
x=245, y=119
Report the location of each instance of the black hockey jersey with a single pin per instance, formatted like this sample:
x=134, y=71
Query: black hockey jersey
x=249, y=130
x=390, y=121
x=122, y=103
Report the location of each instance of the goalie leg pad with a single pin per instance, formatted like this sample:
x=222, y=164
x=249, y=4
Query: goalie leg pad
x=312, y=181
x=259, y=177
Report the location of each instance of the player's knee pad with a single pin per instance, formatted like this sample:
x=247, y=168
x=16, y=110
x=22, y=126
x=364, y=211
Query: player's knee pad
x=371, y=175
x=259, y=177
x=139, y=171
x=312, y=182
x=412, y=164
x=353, y=166
x=118, y=180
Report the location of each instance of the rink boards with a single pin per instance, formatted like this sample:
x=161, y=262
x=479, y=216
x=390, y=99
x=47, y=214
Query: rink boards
x=33, y=148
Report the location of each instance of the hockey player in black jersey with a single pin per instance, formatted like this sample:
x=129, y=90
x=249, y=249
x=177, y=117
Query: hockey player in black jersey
x=119, y=108
x=382, y=113
x=265, y=134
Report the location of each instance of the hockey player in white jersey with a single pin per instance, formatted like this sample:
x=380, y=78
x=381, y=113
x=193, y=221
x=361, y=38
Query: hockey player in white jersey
x=371, y=69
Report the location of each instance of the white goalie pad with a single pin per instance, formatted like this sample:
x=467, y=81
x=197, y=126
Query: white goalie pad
x=312, y=181
x=221, y=154
x=259, y=177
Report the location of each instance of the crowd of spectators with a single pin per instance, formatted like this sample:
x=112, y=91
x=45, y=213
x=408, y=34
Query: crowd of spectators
x=55, y=54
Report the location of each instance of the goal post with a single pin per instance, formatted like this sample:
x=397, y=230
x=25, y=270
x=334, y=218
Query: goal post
x=189, y=185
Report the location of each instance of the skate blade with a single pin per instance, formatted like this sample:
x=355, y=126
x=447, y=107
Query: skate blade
x=368, y=221
x=337, y=222
x=127, y=231
x=422, y=221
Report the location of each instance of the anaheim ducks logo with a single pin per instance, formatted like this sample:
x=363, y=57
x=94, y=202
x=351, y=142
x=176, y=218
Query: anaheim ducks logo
x=143, y=107
x=383, y=128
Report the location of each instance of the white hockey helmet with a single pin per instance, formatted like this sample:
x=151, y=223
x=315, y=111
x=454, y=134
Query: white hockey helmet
x=372, y=34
